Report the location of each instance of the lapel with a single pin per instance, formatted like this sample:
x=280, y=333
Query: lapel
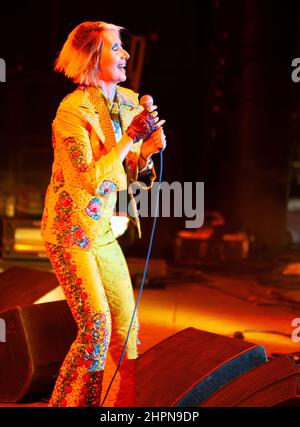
x=95, y=111
x=129, y=107
x=98, y=116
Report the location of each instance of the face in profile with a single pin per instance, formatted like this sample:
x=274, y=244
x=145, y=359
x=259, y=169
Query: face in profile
x=113, y=59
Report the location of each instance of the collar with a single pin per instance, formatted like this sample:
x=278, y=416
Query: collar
x=123, y=96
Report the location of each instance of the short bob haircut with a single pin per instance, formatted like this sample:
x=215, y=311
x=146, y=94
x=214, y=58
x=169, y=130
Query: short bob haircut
x=79, y=58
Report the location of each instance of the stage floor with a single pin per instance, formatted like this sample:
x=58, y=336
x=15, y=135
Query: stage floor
x=252, y=298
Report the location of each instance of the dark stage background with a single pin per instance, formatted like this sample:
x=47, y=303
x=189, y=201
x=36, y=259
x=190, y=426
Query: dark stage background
x=220, y=72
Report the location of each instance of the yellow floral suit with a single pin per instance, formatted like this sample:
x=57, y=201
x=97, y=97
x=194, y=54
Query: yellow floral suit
x=89, y=264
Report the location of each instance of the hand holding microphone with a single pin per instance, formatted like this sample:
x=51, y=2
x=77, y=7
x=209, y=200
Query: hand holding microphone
x=146, y=122
x=156, y=141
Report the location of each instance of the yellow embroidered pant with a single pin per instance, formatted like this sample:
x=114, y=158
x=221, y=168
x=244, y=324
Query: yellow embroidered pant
x=98, y=289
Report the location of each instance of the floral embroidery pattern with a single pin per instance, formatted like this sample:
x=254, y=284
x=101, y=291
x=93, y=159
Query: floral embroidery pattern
x=80, y=377
x=91, y=394
x=58, y=180
x=68, y=234
x=64, y=205
x=77, y=153
x=65, y=237
x=62, y=221
x=72, y=235
x=94, y=208
x=107, y=187
x=93, y=332
x=79, y=237
x=132, y=162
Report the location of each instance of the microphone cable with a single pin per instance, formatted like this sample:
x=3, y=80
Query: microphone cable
x=143, y=279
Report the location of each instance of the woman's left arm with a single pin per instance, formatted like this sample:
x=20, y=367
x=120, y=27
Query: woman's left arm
x=155, y=143
x=139, y=162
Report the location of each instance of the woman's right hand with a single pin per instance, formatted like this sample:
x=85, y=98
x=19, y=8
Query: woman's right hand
x=144, y=124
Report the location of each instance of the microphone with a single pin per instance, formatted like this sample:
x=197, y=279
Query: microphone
x=146, y=101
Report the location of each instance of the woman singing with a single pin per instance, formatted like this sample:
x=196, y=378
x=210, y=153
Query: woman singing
x=102, y=140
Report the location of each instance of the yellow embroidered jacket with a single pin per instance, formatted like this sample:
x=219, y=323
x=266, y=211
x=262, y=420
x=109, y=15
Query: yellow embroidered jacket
x=87, y=171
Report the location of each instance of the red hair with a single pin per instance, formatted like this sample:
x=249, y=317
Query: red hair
x=79, y=58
